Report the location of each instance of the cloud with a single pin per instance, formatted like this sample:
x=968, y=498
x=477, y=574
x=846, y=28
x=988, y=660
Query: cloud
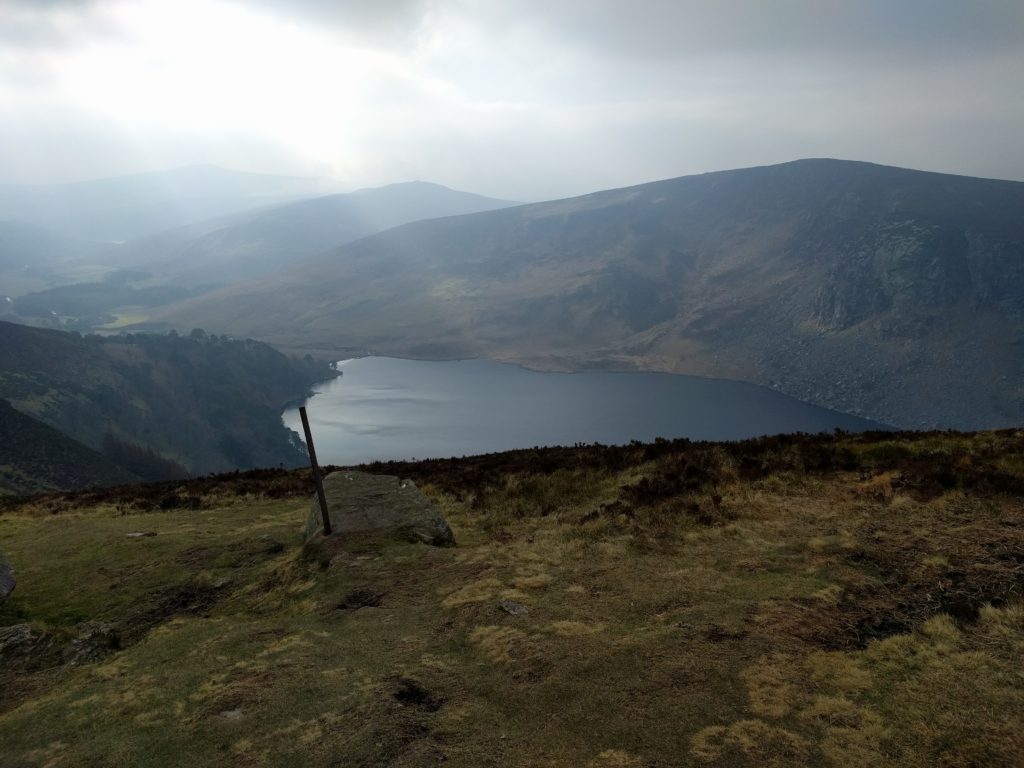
x=46, y=25
x=680, y=30
x=43, y=7
x=515, y=98
x=378, y=23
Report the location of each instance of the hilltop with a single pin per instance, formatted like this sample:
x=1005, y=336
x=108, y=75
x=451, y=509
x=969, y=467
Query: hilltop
x=889, y=293
x=840, y=600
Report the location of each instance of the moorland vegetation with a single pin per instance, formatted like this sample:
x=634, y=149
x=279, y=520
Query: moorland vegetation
x=832, y=600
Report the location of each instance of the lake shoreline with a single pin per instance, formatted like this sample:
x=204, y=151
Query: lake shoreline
x=390, y=408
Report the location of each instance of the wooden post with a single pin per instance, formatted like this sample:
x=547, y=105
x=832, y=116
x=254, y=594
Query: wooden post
x=316, y=471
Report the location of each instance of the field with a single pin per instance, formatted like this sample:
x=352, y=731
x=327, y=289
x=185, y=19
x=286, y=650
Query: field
x=836, y=600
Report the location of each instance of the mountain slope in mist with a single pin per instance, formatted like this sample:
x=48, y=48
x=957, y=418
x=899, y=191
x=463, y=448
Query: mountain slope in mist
x=260, y=242
x=133, y=206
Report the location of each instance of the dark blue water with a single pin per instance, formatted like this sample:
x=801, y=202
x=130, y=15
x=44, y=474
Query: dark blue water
x=384, y=408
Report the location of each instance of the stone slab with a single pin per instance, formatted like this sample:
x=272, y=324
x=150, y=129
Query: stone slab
x=362, y=502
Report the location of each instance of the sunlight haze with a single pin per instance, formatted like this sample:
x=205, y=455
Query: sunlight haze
x=522, y=100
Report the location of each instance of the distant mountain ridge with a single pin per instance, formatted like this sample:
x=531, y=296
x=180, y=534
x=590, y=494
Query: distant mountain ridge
x=890, y=293
x=76, y=284
x=140, y=204
x=259, y=242
x=27, y=246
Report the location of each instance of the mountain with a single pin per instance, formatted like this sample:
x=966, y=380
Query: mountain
x=206, y=403
x=257, y=243
x=95, y=284
x=141, y=204
x=890, y=293
x=35, y=457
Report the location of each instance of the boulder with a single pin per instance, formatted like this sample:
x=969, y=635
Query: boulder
x=7, y=581
x=359, y=502
x=13, y=639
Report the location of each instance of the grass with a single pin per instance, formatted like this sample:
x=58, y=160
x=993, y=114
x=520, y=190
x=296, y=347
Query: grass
x=846, y=600
x=126, y=316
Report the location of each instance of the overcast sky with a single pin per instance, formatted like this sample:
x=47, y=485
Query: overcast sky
x=523, y=99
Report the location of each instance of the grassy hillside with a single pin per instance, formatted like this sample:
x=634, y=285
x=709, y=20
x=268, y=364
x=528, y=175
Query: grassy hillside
x=36, y=458
x=891, y=293
x=84, y=306
x=208, y=403
x=794, y=601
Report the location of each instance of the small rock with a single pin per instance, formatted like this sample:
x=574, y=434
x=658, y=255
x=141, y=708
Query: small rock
x=13, y=637
x=513, y=608
x=232, y=714
x=140, y=534
x=222, y=582
x=7, y=580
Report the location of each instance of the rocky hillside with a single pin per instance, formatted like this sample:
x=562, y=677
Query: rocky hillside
x=207, y=403
x=890, y=293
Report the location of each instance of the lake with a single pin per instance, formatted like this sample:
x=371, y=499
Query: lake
x=385, y=408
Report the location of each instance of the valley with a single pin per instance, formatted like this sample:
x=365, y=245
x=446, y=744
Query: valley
x=892, y=294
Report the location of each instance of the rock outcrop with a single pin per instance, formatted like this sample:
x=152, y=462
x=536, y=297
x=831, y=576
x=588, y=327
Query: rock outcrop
x=360, y=502
x=7, y=581
x=15, y=639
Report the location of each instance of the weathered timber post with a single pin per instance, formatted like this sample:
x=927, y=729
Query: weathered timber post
x=316, y=471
